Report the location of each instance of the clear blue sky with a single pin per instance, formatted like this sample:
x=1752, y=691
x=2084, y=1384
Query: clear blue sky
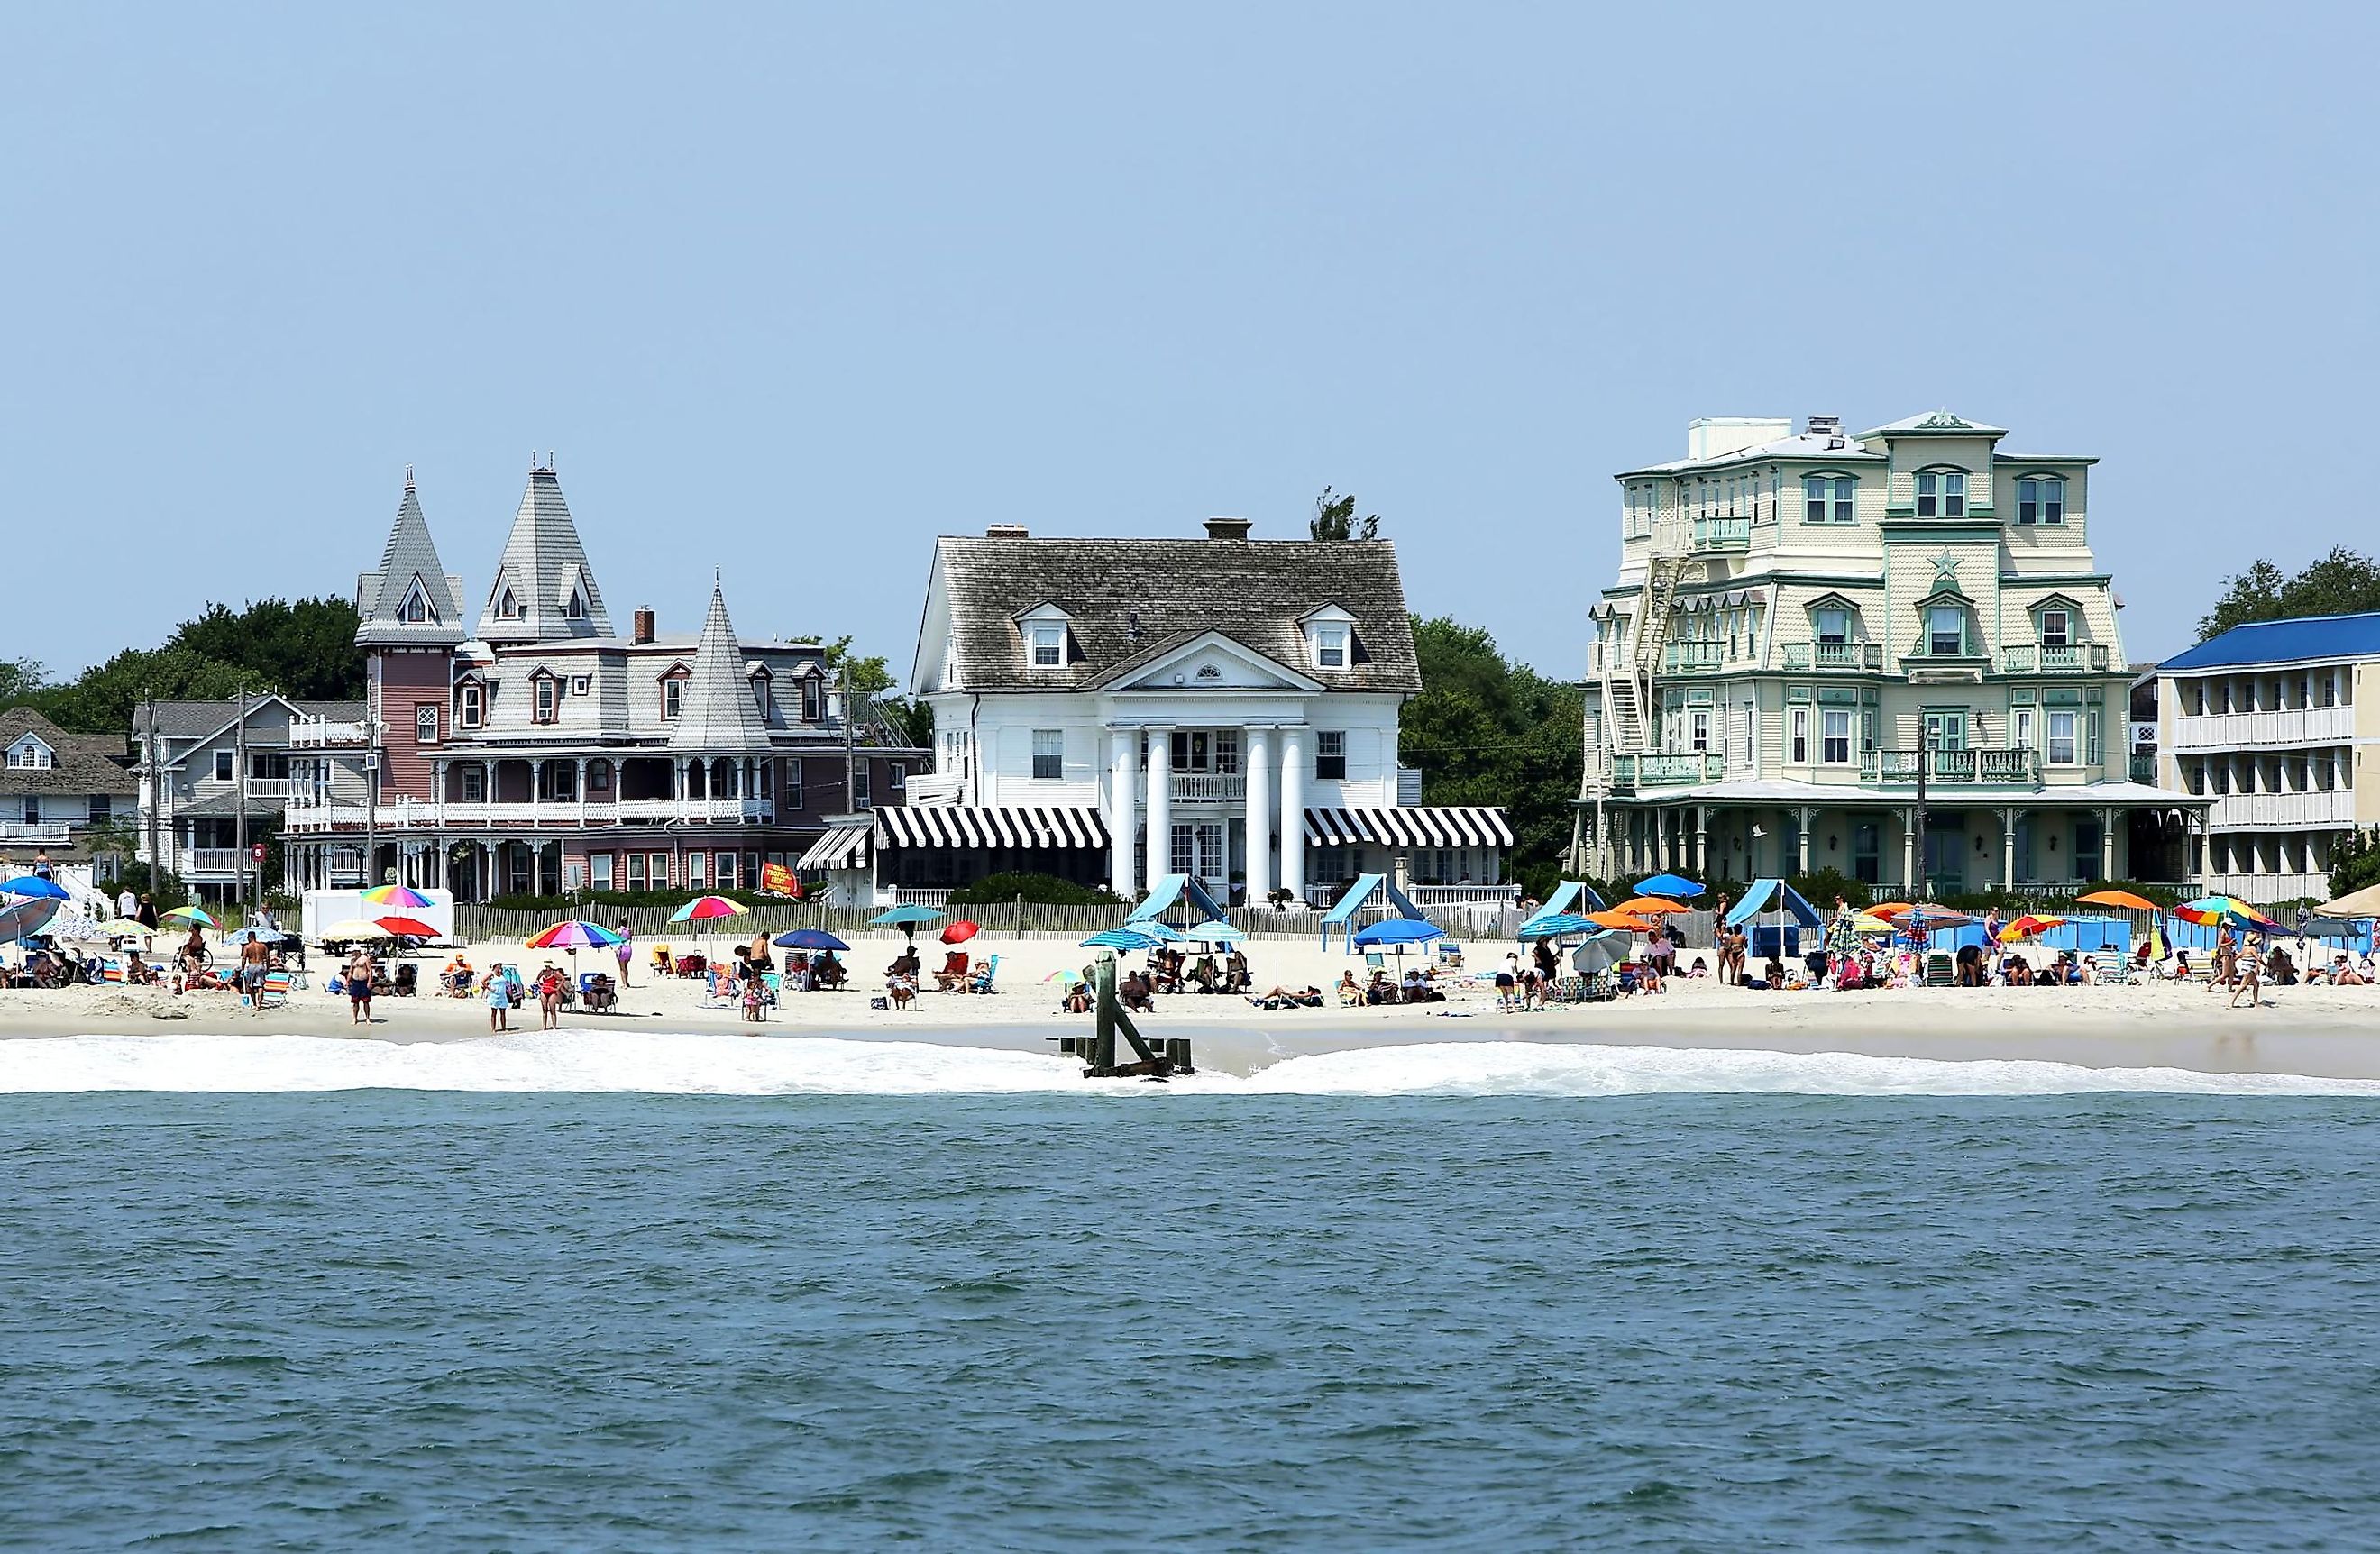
x=791, y=291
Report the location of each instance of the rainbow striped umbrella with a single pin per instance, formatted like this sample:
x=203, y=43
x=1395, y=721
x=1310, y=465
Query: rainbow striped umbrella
x=2211, y=909
x=703, y=908
x=575, y=934
x=398, y=896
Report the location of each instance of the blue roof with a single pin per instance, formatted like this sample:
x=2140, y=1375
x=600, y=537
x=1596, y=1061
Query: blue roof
x=2290, y=641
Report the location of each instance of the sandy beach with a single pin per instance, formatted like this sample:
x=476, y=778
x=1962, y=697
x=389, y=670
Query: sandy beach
x=2326, y=1032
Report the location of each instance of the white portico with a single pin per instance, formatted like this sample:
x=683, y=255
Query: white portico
x=1241, y=729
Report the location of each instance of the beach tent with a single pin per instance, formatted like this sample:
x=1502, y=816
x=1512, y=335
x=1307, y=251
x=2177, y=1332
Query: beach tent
x=1566, y=898
x=1777, y=901
x=1169, y=889
x=1343, y=913
x=2364, y=902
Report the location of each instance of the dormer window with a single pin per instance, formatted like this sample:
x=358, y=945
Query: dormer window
x=1941, y=493
x=470, y=701
x=1833, y=625
x=760, y=697
x=2056, y=628
x=2041, y=499
x=1049, y=645
x=415, y=608
x=508, y=606
x=547, y=691
x=30, y=754
x=673, y=694
x=1330, y=645
x=575, y=607
x=813, y=698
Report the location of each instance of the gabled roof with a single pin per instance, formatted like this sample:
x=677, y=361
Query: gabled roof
x=1127, y=600
x=79, y=761
x=1804, y=446
x=202, y=722
x=543, y=560
x=719, y=712
x=1936, y=423
x=409, y=556
x=2295, y=640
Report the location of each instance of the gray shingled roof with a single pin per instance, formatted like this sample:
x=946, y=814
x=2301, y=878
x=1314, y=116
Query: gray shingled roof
x=542, y=561
x=719, y=712
x=381, y=595
x=197, y=720
x=81, y=759
x=1129, y=599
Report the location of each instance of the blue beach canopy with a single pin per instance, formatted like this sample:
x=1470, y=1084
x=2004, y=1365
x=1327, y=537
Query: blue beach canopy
x=1773, y=896
x=1398, y=930
x=1169, y=889
x=1566, y=897
x=32, y=886
x=808, y=938
x=1120, y=938
x=1672, y=887
x=1561, y=924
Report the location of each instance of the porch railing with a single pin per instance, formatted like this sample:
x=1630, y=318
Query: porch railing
x=1210, y=787
x=1722, y=534
x=1631, y=772
x=2078, y=658
x=1977, y=767
x=1834, y=655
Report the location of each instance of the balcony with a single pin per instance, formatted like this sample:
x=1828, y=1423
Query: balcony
x=195, y=862
x=1693, y=657
x=1210, y=787
x=51, y=832
x=1868, y=656
x=1979, y=767
x=1722, y=535
x=408, y=814
x=2078, y=658
x=2231, y=731
x=313, y=733
x=1631, y=773
x=2315, y=811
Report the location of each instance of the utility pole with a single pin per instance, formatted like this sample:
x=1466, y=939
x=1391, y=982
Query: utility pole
x=240, y=776
x=156, y=797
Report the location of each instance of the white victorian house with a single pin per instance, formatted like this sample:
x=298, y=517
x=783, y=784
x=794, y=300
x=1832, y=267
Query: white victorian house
x=1112, y=710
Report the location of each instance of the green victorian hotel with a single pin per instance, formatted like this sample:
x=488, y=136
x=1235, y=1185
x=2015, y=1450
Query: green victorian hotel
x=1888, y=654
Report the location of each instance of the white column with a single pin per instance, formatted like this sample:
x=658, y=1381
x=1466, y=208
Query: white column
x=1123, y=746
x=1160, y=802
x=2107, y=845
x=1257, y=764
x=1293, y=810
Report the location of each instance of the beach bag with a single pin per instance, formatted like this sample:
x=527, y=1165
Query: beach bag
x=880, y=1003
x=512, y=993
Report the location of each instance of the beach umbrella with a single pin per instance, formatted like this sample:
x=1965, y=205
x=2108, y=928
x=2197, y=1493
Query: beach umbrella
x=1594, y=957
x=574, y=934
x=1561, y=924
x=808, y=938
x=1868, y=922
x=706, y=908
x=2030, y=926
x=1066, y=975
x=1163, y=932
x=2212, y=909
x=237, y=936
x=1398, y=930
x=960, y=931
x=905, y=916
x=353, y=928
x=413, y=927
x=397, y=897
x=33, y=887
x=1650, y=907
x=2124, y=899
x=1626, y=922
x=25, y=919
x=125, y=928
x=1676, y=887
x=1120, y=938
x=192, y=914
x=1216, y=931
x=1889, y=908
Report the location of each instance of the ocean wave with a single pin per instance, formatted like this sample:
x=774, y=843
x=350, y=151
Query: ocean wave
x=583, y=1061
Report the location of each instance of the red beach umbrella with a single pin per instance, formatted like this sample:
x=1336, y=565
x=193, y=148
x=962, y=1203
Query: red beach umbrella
x=961, y=931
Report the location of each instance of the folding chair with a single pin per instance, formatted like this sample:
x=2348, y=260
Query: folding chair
x=983, y=984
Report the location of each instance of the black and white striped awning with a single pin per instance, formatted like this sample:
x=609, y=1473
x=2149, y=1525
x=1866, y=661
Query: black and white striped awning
x=845, y=846
x=1430, y=826
x=990, y=825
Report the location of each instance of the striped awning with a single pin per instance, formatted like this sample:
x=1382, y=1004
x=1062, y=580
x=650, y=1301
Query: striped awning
x=844, y=846
x=1422, y=826
x=986, y=826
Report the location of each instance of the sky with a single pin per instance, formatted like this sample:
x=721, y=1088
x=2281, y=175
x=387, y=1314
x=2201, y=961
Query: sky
x=788, y=291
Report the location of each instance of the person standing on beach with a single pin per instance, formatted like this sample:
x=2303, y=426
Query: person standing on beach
x=499, y=999
x=2249, y=969
x=359, y=981
x=2226, y=958
x=627, y=949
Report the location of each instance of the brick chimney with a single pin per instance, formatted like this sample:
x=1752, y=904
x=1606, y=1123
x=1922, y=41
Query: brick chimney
x=642, y=631
x=1228, y=528
x=1005, y=531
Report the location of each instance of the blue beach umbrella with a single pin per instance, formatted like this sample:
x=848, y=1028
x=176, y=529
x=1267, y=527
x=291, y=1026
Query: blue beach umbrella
x=808, y=938
x=1120, y=938
x=1674, y=887
x=905, y=917
x=1215, y=932
x=31, y=887
x=1561, y=924
x=253, y=936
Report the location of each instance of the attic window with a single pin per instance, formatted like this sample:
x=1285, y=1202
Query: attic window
x=30, y=754
x=548, y=692
x=761, y=693
x=1330, y=645
x=673, y=694
x=416, y=608
x=509, y=606
x=575, y=609
x=1048, y=645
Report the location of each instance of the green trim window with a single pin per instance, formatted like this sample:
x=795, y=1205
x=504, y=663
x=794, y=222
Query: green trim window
x=1826, y=498
x=1835, y=735
x=1946, y=631
x=2065, y=724
x=1941, y=493
x=1833, y=625
x=2057, y=627
x=2041, y=499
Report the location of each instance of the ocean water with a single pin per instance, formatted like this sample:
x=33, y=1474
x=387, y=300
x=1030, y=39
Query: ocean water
x=535, y=1296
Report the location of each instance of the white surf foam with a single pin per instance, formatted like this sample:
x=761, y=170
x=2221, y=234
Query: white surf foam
x=719, y=1065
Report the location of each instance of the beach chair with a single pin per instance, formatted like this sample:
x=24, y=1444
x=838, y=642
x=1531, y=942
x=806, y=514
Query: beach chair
x=719, y=989
x=983, y=984
x=1374, y=960
x=111, y=971
x=1450, y=957
x=1941, y=968
x=2110, y=966
x=272, y=993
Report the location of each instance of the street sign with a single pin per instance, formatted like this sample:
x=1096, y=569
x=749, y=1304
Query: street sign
x=256, y=852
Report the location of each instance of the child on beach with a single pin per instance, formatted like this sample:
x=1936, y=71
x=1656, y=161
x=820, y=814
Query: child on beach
x=499, y=999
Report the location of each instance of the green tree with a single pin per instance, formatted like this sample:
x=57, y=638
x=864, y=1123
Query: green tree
x=1486, y=730
x=2342, y=583
x=2355, y=862
x=305, y=649
x=870, y=678
x=20, y=681
x=102, y=698
x=1334, y=518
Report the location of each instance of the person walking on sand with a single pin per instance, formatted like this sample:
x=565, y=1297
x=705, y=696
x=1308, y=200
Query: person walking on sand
x=2249, y=969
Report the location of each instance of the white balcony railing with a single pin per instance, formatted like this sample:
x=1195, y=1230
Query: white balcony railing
x=197, y=861
x=2313, y=810
x=53, y=833
x=2227, y=731
x=258, y=788
x=1462, y=895
x=409, y=814
x=314, y=734
x=2265, y=889
x=1210, y=787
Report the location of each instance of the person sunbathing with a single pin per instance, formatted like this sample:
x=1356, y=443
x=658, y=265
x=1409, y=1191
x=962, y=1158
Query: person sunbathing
x=1137, y=993
x=953, y=976
x=1290, y=997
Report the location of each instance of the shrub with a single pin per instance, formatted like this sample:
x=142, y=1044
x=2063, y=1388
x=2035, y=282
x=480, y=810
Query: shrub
x=1042, y=890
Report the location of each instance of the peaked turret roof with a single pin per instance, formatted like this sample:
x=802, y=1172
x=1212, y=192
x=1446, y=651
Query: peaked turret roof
x=543, y=591
x=719, y=712
x=411, y=580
